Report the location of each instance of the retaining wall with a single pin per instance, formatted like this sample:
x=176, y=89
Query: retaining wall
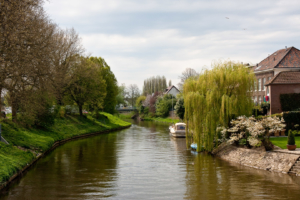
x=257, y=158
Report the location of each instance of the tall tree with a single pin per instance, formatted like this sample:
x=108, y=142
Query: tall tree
x=133, y=93
x=186, y=74
x=87, y=86
x=110, y=100
x=214, y=98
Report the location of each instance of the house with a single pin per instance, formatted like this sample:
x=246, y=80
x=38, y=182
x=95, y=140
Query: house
x=277, y=74
x=172, y=90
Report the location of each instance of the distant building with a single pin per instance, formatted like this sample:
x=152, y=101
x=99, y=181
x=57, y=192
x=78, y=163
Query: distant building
x=277, y=74
x=172, y=90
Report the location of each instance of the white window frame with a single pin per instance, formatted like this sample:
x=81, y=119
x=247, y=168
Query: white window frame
x=259, y=99
x=259, y=84
x=263, y=84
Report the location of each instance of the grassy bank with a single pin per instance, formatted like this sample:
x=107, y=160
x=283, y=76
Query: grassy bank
x=282, y=141
x=159, y=119
x=126, y=115
x=25, y=144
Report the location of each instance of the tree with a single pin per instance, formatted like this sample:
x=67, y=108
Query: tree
x=154, y=84
x=133, y=93
x=186, y=74
x=170, y=83
x=87, y=85
x=110, y=100
x=121, y=94
x=67, y=48
x=25, y=49
x=139, y=101
x=164, y=105
x=179, y=108
x=215, y=98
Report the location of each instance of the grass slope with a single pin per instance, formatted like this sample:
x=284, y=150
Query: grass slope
x=165, y=120
x=13, y=159
x=282, y=141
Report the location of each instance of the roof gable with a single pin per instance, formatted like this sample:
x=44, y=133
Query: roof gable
x=288, y=77
x=283, y=58
x=170, y=88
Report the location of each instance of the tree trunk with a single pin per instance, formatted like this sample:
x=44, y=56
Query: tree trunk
x=80, y=109
x=0, y=102
x=14, y=109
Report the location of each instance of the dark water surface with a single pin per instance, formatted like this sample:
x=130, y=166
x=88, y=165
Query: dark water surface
x=144, y=162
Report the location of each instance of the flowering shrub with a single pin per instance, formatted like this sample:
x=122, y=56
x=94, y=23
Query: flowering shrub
x=252, y=130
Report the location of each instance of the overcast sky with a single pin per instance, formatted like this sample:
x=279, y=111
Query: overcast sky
x=140, y=39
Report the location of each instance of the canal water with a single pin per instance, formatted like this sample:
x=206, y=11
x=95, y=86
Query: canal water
x=144, y=162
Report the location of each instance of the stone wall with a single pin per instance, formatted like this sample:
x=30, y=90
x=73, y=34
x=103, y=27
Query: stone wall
x=257, y=158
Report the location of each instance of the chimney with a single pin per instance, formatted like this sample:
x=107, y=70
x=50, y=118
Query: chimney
x=257, y=65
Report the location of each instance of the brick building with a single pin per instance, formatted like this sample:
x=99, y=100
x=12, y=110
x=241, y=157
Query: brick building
x=277, y=74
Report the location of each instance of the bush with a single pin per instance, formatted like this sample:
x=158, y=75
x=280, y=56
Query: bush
x=291, y=138
x=291, y=118
x=179, y=108
x=290, y=102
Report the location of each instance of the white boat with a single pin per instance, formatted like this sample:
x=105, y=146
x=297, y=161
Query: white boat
x=178, y=130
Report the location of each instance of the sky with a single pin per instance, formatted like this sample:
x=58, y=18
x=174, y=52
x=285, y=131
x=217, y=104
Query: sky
x=139, y=39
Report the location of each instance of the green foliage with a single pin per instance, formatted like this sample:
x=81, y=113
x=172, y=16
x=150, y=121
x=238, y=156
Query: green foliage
x=290, y=102
x=243, y=141
x=164, y=120
x=214, y=98
x=291, y=138
x=164, y=105
x=179, y=108
x=139, y=101
x=154, y=84
x=291, y=118
x=40, y=140
x=121, y=94
x=87, y=85
x=112, y=89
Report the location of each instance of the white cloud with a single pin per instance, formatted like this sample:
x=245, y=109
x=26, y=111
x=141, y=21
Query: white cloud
x=140, y=39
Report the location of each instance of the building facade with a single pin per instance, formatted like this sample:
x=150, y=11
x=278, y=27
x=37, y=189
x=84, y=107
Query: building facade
x=275, y=76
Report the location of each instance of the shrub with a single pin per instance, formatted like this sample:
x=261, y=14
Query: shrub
x=290, y=102
x=291, y=118
x=291, y=138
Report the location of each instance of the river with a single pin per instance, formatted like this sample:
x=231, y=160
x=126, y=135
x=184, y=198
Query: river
x=144, y=162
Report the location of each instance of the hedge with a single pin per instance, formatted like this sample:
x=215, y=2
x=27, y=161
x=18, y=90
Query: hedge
x=291, y=118
x=290, y=102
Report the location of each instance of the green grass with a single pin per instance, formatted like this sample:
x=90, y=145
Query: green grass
x=159, y=119
x=282, y=141
x=126, y=115
x=13, y=159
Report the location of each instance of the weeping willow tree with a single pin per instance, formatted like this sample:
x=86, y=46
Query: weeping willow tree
x=214, y=99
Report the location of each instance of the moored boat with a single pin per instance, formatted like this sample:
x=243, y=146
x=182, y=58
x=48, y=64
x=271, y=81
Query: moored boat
x=178, y=130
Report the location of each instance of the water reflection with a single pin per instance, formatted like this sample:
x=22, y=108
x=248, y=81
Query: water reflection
x=144, y=162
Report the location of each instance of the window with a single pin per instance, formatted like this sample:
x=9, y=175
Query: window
x=263, y=84
x=268, y=91
x=259, y=99
x=270, y=78
x=255, y=99
x=259, y=84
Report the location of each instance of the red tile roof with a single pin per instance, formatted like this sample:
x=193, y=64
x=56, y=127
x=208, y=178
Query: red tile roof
x=283, y=58
x=288, y=77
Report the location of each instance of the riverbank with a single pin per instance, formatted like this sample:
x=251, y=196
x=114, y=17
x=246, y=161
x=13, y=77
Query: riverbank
x=28, y=145
x=259, y=158
x=164, y=120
